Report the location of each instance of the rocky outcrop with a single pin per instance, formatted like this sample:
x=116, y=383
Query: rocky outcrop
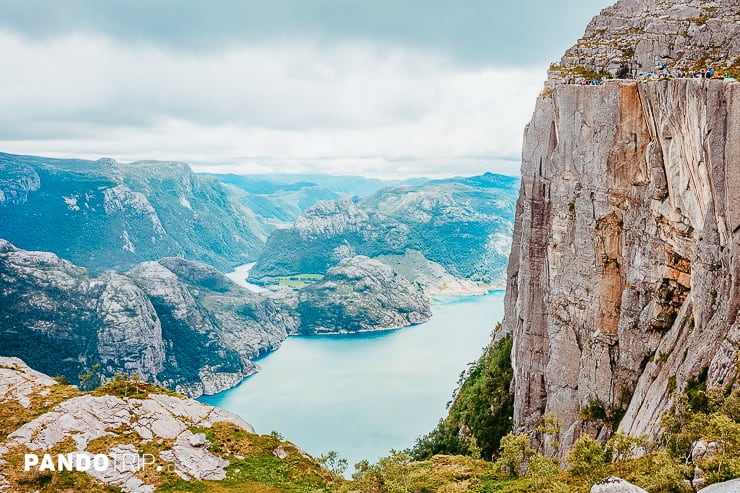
x=358, y=295
x=726, y=487
x=625, y=266
x=637, y=36
x=119, y=427
x=135, y=437
x=624, y=272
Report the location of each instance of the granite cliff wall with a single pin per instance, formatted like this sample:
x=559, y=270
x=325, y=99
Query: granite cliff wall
x=625, y=266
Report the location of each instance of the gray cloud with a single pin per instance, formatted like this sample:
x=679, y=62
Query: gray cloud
x=473, y=31
x=382, y=88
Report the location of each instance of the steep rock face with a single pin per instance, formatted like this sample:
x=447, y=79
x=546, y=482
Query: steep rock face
x=62, y=318
x=624, y=273
x=360, y=294
x=636, y=36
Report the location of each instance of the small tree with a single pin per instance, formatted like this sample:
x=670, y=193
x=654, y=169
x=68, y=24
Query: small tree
x=514, y=454
x=92, y=378
x=542, y=470
x=334, y=463
x=587, y=459
x=395, y=471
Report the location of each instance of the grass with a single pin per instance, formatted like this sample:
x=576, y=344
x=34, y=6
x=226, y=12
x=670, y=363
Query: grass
x=252, y=461
x=135, y=389
x=295, y=281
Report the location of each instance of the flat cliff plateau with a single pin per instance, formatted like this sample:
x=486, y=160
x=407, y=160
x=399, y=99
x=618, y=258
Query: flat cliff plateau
x=625, y=266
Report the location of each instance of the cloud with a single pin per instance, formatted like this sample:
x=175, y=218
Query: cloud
x=472, y=31
x=354, y=106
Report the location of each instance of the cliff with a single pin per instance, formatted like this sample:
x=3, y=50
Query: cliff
x=634, y=37
x=625, y=266
x=174, y=322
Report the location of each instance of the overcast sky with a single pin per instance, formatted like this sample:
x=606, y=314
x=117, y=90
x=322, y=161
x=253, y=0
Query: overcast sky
x=388, y=88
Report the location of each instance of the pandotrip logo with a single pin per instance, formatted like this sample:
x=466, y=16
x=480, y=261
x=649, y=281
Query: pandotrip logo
x=83, y=461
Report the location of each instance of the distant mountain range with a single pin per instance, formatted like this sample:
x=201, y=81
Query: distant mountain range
x=119, y=266
x=107, y=215
x=463, y=224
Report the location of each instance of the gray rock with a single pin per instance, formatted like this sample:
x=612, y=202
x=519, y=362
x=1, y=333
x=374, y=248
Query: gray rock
x=20, y=383
x=87, y=417
x=615, y=294
x=634, y=36
x=193, y=462
x=280, y=452
x=146, y=322
x=726, y=487
x=198, y=440
x=613, y=484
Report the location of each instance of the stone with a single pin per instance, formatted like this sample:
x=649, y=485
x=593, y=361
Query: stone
x=613, y=484
x=726, y=487
x=85, y=418
x=280, y=453
x=633, y=37
x=19, y=383
x=195, y=462
x=198, y=440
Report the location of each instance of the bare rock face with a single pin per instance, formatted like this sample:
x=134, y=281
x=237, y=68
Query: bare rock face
x=625, y=266
x=726, y=487
x=19, y=383
x=636, y=36
x=158, y=422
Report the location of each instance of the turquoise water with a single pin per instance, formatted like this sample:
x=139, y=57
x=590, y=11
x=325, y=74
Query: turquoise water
x=362, y=395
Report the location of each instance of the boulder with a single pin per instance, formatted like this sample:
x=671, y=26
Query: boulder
x=726, y=487
x=613, y=484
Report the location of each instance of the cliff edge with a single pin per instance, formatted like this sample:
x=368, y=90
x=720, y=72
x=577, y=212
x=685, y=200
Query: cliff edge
x=625, y=266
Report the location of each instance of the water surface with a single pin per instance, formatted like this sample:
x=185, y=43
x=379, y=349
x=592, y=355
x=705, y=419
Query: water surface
x=362, y=395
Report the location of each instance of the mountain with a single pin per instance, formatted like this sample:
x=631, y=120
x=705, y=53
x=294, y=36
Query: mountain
x=108, y=215
x=179, y=323
x=276, y=200
x=359, y=295
x=623, y=279
x=462, y=224
x=343, y=185
x=274, y=204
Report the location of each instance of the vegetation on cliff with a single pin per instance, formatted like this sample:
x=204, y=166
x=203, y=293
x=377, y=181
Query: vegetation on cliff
x=480, y=414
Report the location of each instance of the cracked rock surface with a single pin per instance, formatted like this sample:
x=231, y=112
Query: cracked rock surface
x=160, y=419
